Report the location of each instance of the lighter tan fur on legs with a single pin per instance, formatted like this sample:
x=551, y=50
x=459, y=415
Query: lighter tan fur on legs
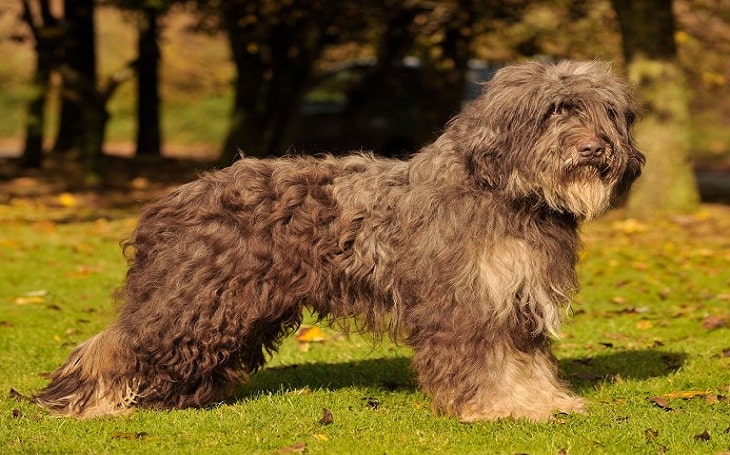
x=88, y=385
x=525, y=386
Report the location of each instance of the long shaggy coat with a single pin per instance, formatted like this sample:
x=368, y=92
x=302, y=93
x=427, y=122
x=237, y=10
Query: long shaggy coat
x=466, y=251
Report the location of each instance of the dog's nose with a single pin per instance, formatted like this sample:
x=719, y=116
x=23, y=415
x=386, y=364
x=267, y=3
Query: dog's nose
x=590, y=148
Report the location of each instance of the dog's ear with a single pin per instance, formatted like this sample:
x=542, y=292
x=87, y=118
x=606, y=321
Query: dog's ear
x=633, y=170
x=478, y=144
x=485, y=163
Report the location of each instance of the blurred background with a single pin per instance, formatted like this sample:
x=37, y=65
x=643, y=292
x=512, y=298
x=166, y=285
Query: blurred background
x=86, y=83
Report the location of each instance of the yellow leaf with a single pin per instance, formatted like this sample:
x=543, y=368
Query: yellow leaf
x=644, y=325
x=37, y=293
x=67, y=200
x=681, y=36
x=310, y=335
x=28, y=300
x=685, y=394
x=321, y=437
x=629, y=226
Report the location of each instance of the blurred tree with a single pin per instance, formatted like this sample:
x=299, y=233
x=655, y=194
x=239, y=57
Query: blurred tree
x=147, y=14
x=78, y=53
x=444, y=36
x=149, y=134
x=274, y=46
x=437, y=37
x=668, y=183
x=277, y=44
x=46, y=33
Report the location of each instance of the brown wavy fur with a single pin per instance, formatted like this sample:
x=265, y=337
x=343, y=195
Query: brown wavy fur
x=467, y=251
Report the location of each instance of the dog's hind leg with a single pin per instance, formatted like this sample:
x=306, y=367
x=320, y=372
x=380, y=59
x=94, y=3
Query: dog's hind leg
x=97, y=379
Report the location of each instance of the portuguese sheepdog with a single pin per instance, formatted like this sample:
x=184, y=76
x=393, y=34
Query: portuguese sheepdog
x=466, y=252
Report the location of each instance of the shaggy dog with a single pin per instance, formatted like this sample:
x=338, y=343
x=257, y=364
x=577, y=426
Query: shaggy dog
x=466, y=252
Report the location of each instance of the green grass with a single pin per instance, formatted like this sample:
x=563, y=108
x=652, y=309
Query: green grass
x=651, y=320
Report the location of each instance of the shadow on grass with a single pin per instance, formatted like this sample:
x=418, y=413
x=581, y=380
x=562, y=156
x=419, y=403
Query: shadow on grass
x=389, y=374
x=627, y=365
x=395, y=373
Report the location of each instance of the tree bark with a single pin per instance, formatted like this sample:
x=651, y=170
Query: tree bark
x=46, y=34
x=668, y=184
x=274, y=53
x=148, y=98
x=79, y=53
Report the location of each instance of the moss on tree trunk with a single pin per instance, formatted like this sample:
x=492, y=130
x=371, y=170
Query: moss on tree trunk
x=668, y=183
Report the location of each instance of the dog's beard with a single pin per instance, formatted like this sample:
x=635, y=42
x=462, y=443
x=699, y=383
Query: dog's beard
x=583, y=185
x=585, y=193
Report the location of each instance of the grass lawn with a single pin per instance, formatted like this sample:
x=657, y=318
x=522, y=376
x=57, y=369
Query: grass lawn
x=648, y=345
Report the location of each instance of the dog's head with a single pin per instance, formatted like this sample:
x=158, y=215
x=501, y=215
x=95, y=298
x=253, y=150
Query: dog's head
x=558, y=135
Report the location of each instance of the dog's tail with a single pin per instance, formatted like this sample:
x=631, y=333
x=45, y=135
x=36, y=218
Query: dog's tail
x=97, y=379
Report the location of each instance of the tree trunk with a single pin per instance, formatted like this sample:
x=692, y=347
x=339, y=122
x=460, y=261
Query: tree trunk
x=148, y=98
x=274, y=55
x=668, y=184
x=448, y=79
x=35, y=113
x=45, y=32
x=80, y=55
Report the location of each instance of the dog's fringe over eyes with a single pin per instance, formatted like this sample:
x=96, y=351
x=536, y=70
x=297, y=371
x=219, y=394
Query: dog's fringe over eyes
x=466, y=252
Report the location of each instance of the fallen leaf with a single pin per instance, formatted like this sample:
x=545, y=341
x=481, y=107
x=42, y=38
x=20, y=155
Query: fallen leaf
x=633, y=310
x=28, y=300
x=128, y=435
x=320, y=437
x=685, y=395
x=140, y=183
x=310, y=335
x=651, y=434
x=629, y=226
x=662, y=402
x=297, y=447
x=704, y=436
x=372, y=403
x=37, y=293
x=327, y=417
x=644, y=325
x=714, y=322
x=67, y=200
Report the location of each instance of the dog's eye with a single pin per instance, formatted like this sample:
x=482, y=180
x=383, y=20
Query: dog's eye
x=630, y=118
x=557, y=109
